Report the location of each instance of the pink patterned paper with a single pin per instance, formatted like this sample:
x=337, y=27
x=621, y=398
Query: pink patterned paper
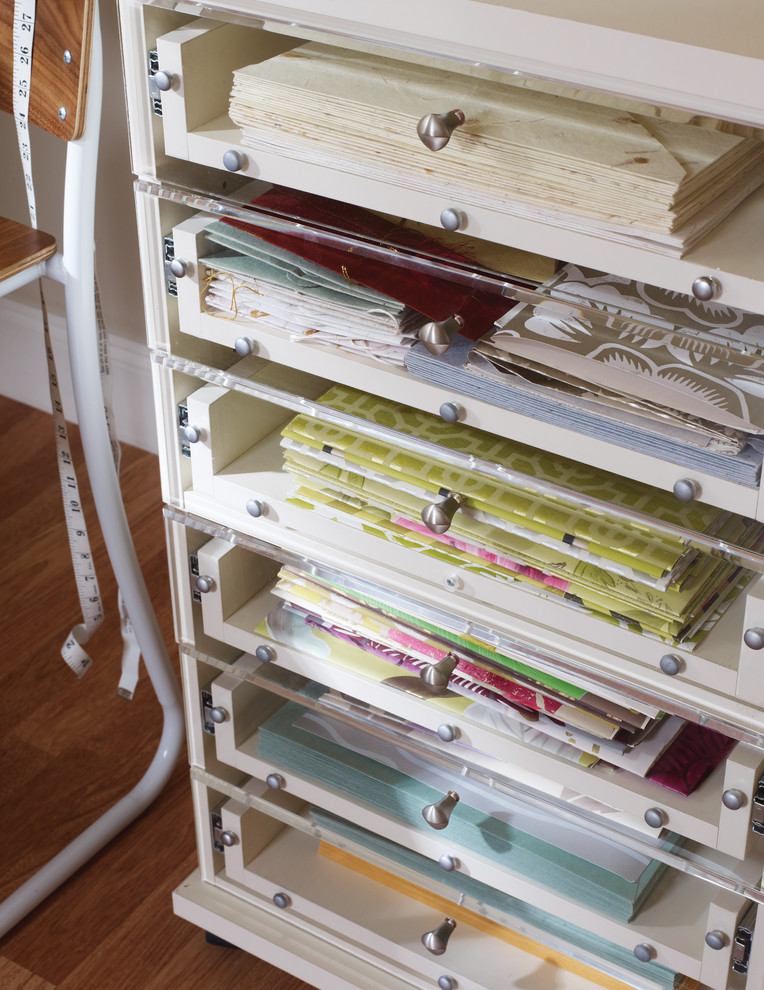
x=511, y=565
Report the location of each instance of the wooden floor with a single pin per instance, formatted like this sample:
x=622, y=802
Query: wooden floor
x=70, y=748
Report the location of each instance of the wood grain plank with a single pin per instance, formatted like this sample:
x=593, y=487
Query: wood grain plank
x=69, y=748
x=13, y=977
x=61, y=25
x=22, y=246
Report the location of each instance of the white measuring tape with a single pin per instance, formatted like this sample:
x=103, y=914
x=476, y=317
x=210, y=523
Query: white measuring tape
x=73, y=652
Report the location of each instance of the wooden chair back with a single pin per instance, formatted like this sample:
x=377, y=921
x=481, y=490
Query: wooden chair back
x=58, y=79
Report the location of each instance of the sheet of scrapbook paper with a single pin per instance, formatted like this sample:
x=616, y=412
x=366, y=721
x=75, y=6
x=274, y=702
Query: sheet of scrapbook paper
x=414, y=650
x=714, y=321
x=357, y=654
x=482, y=512
x=344, y=607
x=617, y=820
x=544, y=825
x=522, y=145
x=596, y=697
x=435, y=291
x=664, y=369
x=401, y=796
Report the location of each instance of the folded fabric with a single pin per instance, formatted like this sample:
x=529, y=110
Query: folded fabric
x=604, y=170
x=289, y=743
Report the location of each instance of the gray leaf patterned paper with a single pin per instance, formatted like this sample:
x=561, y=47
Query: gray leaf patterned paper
x=637, y=344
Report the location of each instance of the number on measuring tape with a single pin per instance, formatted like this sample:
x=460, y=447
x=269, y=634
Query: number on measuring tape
x=88, y=593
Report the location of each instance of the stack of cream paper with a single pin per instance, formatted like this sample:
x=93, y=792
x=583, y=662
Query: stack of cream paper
x=601, y=170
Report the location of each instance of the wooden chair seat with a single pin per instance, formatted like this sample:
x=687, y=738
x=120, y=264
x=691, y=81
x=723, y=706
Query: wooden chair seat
x=21, y=247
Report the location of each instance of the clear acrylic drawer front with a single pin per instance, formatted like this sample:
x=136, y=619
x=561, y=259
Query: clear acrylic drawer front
x=238, y=479
x=240, y=599
x=696, y=902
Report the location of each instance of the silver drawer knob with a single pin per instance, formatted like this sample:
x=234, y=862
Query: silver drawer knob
x=447, y=732
x=282, y=900
x=205, y=584
x=437, y=516
x=435, y=676
x=255, y=508
x=163, y=80
x=437, y=940
x=234, y=160
x=705, y=288
x=448, y=863
x=438, y=815
x=734, y=799
x=244, y=346
x=219, y=715
x=671, y=665
x=685, y=489
x=275, y=781
x=716, y=939
x=754, y=638
x=437, y=337
x=447, y=983
x=191, y=434
x=435, y=129
x=656, y=817
x=451, y=412
x=265, y=654
x=179, y=268
x=229, y=838
x=452, y=219
x=644, y=952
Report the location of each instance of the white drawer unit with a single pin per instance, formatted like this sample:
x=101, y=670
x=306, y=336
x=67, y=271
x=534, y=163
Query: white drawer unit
x=420, y=760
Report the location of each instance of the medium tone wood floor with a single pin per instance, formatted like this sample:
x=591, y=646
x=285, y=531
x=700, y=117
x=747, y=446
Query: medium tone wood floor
x=69, y=749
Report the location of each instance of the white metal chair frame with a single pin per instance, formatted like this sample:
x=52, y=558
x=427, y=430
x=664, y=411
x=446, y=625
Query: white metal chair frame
x=74, y=267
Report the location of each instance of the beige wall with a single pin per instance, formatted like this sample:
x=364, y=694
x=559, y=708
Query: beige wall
x=116, y=242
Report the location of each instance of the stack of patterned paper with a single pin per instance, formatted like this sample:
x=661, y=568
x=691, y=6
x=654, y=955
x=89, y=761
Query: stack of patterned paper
x=488, y=823
x=685, y=376
x=602, y=170
x=651, y=370
x=488, y=686
x=641, y=579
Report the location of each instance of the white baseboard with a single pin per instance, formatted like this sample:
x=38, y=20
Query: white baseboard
x=24, y=374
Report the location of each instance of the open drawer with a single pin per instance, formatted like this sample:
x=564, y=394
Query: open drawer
x=673, y=923
x=197, y=62
x=237, y=477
